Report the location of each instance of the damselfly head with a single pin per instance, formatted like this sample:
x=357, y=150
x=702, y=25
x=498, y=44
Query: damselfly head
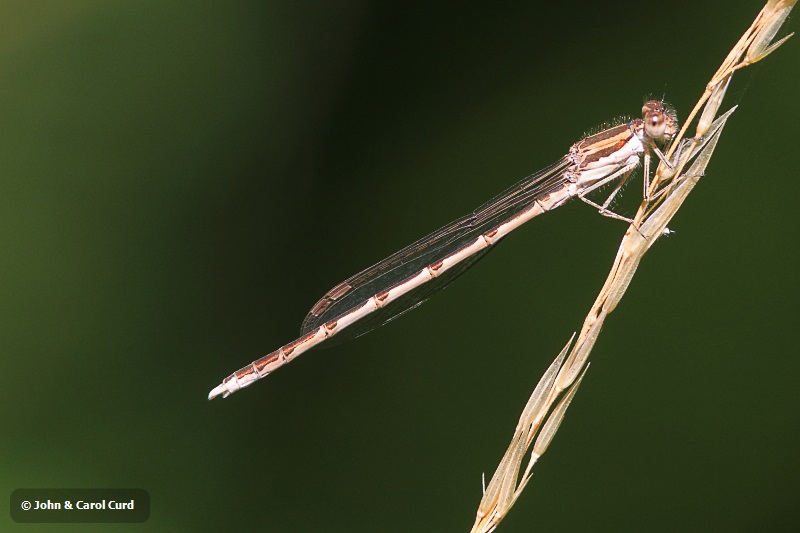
x=660, y=120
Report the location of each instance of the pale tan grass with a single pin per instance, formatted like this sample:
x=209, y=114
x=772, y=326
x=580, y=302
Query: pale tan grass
x=546, y=407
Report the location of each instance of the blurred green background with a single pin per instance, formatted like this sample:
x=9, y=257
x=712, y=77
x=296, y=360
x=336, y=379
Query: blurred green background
x=181, y=181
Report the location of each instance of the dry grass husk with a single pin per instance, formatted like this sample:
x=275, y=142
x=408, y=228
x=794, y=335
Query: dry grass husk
x=547, y=405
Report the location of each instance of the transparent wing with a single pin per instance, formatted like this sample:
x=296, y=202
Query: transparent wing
x=409, y=261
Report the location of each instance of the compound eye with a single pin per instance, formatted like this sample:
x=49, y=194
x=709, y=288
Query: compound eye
x=655, y=124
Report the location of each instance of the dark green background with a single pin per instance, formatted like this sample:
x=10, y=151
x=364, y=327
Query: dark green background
x=182, y=181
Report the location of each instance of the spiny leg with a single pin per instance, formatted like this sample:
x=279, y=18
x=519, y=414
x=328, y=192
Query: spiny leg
x=605, y=212
x=617, y=189
x=603, y=209
x=646, y=182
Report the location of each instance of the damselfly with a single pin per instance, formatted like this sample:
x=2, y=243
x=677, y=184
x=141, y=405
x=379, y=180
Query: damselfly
x=404, y=280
